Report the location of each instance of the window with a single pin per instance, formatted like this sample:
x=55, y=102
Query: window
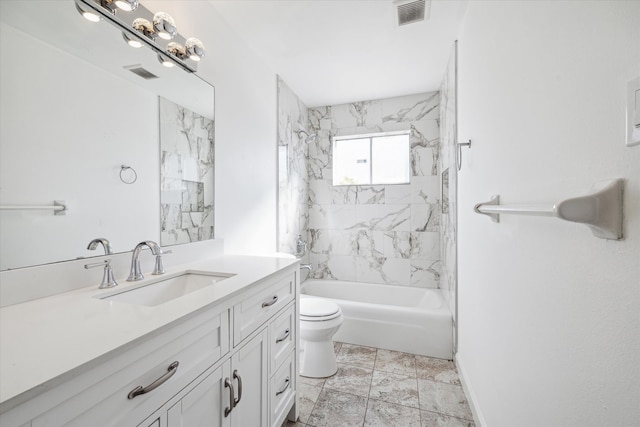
x=371, y=159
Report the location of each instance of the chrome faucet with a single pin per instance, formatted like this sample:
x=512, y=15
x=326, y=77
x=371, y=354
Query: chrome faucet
x=108, y=280
x=305, y=267
x=136, y=272
x=104, y=242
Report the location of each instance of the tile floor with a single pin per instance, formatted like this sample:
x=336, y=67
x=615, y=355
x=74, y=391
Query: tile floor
x=383, y=388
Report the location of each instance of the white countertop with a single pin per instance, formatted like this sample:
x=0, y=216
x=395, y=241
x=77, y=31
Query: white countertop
x=45, y=341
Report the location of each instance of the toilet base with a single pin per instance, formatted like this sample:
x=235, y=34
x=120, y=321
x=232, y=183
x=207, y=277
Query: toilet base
x=317, y=359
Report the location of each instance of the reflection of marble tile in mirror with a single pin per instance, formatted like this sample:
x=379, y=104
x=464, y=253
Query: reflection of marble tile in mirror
x=187, y=172
x=61, y=131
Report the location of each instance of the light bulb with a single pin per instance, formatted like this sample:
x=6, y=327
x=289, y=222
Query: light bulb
x=195, y=49
x=133, y=42
x=88, y=15
x=164, y=25
x=127, y=5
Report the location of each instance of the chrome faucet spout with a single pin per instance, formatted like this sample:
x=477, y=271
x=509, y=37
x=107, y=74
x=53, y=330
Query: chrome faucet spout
x=102, y=241
x=136, y=271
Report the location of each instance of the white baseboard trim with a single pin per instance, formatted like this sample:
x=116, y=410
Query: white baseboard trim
x=468, y=390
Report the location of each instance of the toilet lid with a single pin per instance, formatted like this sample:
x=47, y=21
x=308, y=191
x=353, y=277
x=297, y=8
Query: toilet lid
x=318, y=307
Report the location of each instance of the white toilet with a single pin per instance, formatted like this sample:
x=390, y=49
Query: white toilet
x=320, y=319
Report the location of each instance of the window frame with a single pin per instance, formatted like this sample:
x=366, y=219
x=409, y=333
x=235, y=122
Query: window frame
x=370, y=136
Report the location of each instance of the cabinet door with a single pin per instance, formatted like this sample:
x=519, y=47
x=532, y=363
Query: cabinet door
x=203, y=405
x=250, y=366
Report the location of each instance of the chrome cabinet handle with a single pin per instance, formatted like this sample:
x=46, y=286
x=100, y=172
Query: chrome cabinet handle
x=270, y=303
x=171, y=371
x=227, y=410
x=287, y=383
x=284, y=337
x=239, y=378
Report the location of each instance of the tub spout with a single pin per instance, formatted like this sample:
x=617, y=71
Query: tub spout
x=305, y=267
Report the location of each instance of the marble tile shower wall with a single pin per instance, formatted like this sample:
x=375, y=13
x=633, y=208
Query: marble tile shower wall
x=293, y=182
x=448, y=278
x=381, y=233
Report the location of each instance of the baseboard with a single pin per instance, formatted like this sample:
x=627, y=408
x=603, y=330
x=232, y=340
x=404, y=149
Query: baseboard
x=468, y=390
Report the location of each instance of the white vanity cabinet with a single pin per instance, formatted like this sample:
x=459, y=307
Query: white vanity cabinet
x=230, y=364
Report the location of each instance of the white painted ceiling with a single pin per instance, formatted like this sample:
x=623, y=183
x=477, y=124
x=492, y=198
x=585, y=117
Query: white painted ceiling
x=336, y=51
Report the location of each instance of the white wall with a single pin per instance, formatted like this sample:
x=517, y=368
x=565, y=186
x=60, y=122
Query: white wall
x=73, y=154
x=549, y=315
x=246, y=128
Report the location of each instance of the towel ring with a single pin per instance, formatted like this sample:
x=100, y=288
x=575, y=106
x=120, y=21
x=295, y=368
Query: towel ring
x=131, y=178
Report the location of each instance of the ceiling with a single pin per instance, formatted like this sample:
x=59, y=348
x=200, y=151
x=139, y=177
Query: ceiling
x=331, y=52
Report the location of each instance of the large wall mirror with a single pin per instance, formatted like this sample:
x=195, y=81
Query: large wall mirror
x=72, y=113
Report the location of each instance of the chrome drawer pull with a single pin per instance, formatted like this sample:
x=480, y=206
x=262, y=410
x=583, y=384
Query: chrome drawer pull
x=287, y=383
x=171, y=370
x=227, y=410
x=239, y=378
x=286, y=335
x=270, y=303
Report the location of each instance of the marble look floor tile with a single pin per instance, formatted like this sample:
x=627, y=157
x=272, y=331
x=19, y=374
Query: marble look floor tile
x=313, y=381
x=395, y=388
x=350, y=379
x=386, y=414
x=431, y=419
x=429, y=368
x=291, y=424
x=394, y=361
x=357, y=355
x=448, y=399
x=336, y=347
x=338, y=409
x=308, y=396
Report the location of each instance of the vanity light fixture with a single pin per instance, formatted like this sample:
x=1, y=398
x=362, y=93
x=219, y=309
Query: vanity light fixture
x=87, y=14
x=145, y=27
x=194, y=48
x=131, y=41
x=166, y=62
x=127, y=5
x=159, y=30
x=176, y=49
x=164, y=25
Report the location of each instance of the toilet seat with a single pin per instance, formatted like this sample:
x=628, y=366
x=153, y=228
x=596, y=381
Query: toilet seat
x=318, y=309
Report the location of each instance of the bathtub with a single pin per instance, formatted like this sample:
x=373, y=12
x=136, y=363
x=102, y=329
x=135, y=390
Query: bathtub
x=400, y=318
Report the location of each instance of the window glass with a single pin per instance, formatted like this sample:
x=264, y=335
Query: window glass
x=374, y=159
x=390, y=164
x=352, y=161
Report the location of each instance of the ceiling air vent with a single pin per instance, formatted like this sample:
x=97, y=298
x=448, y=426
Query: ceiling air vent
x=410, y=11
x=142, y=72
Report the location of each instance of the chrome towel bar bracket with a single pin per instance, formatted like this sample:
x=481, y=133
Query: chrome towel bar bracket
x=601, y=210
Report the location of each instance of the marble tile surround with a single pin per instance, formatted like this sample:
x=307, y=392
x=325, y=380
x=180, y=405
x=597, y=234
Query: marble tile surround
x=186, y=175
x=378, y=233
x=293, y=183
x=382, y=388
x=448, y=232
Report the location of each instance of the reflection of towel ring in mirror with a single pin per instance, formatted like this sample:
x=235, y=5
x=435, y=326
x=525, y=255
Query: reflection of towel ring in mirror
x=132, y=175
x=459, y=152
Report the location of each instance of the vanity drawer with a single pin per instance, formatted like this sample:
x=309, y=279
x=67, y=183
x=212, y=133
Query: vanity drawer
x=102, y=395
x=264, y=301
x=282, y=337
x=281, y=391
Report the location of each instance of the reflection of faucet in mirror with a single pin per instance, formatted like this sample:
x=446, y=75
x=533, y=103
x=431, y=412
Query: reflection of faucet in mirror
x=301, y=246
x=136, y=272
x=105, y=244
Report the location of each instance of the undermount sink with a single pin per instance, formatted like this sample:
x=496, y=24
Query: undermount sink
x=166, y=289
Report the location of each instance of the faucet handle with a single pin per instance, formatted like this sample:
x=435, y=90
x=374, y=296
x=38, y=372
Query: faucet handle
x=108, y=281
x=159, y=268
